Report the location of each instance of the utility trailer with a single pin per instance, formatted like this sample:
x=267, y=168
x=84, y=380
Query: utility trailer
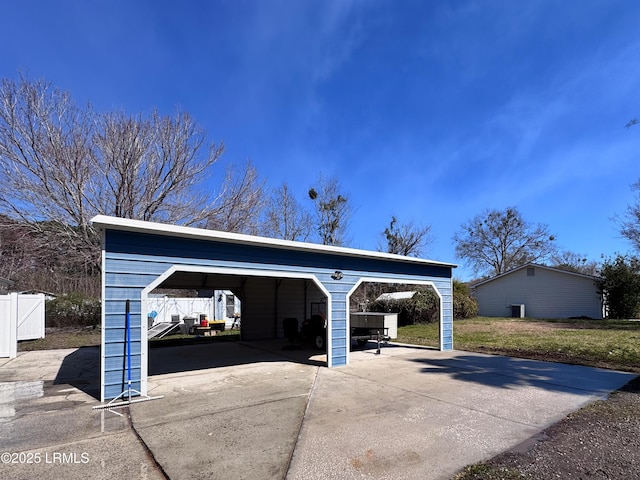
x=365, y=326
x=363, y=335
x=378, y=326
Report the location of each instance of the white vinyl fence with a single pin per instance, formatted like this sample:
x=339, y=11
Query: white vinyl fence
x=222, y=306
x=165, y=309
x=21, y=318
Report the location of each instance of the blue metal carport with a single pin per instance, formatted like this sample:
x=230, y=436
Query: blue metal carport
x=274, y=279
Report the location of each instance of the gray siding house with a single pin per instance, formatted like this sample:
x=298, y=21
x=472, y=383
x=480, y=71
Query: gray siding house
x=537, y=291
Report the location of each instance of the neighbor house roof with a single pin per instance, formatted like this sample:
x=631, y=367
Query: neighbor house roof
x=528, y=265
x=395, y=296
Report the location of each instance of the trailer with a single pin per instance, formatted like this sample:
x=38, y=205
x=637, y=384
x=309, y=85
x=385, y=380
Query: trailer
x=363, y=335
x=378, y=326
x=364, y=326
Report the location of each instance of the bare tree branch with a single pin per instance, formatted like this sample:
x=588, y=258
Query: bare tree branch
x=497, y=241
x=152, y=168
x=406, y=239
x=239, y=205
x=333, y=211
x=61, y=164
x=286, y=218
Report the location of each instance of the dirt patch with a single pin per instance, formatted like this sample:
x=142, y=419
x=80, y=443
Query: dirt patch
x=510, y=327
x=600, y=441
x=533, y=326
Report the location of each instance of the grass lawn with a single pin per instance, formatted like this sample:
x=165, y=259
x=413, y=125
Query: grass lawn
x=613, y=344
x=56, y=338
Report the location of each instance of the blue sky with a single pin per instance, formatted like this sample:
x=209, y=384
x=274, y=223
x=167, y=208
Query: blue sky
x=428, y=110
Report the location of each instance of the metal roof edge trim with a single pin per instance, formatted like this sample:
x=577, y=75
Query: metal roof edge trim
x=140, y=226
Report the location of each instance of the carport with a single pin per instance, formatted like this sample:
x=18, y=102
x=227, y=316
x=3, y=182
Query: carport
x=274, y=279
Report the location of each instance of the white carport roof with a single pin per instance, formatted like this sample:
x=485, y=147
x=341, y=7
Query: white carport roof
x=115, y=223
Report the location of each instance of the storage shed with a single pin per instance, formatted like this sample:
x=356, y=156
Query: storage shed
x=537, y=291
x=274, y=279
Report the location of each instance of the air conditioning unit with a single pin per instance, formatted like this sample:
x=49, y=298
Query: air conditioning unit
x=517, y=310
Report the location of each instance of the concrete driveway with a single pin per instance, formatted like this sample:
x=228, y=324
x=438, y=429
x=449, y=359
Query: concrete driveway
x=255, y=411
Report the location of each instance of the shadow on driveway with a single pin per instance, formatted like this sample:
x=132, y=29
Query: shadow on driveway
x=188, y=358
x=81, y=369
x=508, y=373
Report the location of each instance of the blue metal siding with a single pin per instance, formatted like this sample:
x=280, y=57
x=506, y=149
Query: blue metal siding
x=134, y=260
x=174, y=247
x=114, y=333
x=339, y=334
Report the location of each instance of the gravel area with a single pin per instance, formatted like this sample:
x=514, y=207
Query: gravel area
x=600, y=441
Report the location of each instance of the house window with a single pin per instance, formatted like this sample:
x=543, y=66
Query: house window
x=531, y=272
x=231, y=305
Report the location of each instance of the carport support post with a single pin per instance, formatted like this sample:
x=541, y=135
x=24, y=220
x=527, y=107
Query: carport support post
x=128, y=334
x=143, y=398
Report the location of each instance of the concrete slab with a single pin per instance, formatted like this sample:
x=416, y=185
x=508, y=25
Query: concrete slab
x=79, y=367
x=234, y=421
x=257, y=411
x=48, y=429
x=423, y=414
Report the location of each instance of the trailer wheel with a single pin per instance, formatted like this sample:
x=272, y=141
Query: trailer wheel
x=319, y=342
x=361, y=341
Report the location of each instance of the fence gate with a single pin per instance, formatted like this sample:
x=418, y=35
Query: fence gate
x=21, y=318
x=8, y=325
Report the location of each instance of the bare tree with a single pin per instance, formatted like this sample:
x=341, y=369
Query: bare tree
x=285, y=217
x=497, y=241
x=61, y=164
x=574, y=262
x=239, y=205
x=630, y=224
x=152, y=168
x=15, y=248
x=45, y=143
x=333, y=211
x=34, y=259
x=66, y=164
x=408, y=239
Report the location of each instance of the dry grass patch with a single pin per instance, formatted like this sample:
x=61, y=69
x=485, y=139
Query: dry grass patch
x=57, y=338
